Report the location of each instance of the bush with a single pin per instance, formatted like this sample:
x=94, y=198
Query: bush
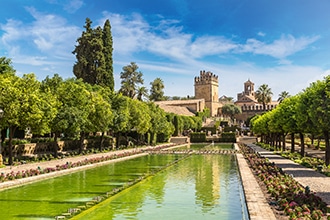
x=198, y=137
x=212, y=129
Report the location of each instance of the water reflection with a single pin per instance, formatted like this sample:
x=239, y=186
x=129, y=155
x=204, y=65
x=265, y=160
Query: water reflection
x=200, y=187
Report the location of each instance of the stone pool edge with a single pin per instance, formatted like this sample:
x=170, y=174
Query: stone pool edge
x=256, y=202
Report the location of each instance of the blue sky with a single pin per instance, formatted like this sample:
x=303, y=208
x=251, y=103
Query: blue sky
x=285, y=44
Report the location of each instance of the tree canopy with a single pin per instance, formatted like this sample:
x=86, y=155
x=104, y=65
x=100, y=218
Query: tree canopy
x=94, y=55
x=130, y=79
x=264, y=95
x=306, y=112
x=157, y=90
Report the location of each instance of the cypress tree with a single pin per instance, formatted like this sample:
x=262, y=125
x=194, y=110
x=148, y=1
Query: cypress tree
x=107, y=50
x=82, y=68
x=94, y=56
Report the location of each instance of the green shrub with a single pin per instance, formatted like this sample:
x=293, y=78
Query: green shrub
x=212, y=129
x=198, y=137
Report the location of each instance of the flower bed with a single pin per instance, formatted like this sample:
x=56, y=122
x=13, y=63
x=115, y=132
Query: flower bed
x=286, y=193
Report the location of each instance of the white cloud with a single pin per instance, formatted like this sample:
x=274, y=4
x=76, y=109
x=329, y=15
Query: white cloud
x=47, y=36
x=166, y=38
x=261, y=34
x=211, y=45
x=281, y=48
x=70, y=6
x=73, y=5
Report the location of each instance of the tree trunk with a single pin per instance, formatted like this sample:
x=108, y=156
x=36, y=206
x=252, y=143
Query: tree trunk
x=56, y=144
x=327, y=147
x=318, y=142
x=10, y=144
x=292, y=143
x=283, y=141
x=117, y=139
x=101, y=141
x=81, y=142
x=312, y=140
x=279, y=141
x=302, y=144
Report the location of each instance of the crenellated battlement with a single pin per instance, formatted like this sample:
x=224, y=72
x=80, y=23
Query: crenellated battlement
x=206, y=77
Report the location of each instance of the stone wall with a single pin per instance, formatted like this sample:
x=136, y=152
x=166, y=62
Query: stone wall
x=44, y=148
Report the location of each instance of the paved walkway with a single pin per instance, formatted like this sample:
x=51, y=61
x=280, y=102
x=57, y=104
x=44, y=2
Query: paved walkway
x=256, y=202
x=317, y=182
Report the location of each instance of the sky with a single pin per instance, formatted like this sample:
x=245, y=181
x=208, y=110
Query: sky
x=284, y=44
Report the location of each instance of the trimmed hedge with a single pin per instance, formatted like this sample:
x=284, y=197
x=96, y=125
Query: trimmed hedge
x=212, y=129
x=198, y=137
x=228, y=137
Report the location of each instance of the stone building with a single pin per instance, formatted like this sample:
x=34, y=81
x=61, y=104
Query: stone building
x=207, y=88
x=249, y=104
x=182, y=107
x=206, y=95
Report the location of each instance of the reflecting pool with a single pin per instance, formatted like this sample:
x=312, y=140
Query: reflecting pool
x=200, y=187
x=196, y=187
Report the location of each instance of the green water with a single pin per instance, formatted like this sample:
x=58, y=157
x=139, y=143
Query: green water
x=209, y=147
x=197, y=187
x=49, y=198
x=200, y=187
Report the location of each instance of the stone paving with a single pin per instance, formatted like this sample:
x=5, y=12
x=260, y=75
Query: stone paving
x=257, y=204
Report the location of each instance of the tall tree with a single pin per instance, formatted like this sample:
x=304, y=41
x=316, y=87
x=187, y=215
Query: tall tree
x=131, y=77
x=317, y=97
x=121, y=115
x=283, y=95
x=231, y=110
x=142, y=92
x=100, y=114
x=6, y=65
x=22, y=105
x=94, y=55
x=264, y=95
x=107, y=50
x=157, y=90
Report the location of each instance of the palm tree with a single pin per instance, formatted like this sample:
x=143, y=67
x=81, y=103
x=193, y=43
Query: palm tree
x=130, y=78
x=142, y=92
x=264, y=95
x=283, y=95
x=156, y=91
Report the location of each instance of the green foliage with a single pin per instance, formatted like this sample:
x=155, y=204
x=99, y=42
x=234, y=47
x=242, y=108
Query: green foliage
x=228, y=137
x=120, y=108
x=211, y=129
x=264, y=95
x=131, y=77
x=22, y=103
x=94, y=56
x=6, y=66
x=231, y=110
x=157, y=90
x=176, y=123
x=142, y=93
x=159, y=123
x=196, y=137
x=107, y=50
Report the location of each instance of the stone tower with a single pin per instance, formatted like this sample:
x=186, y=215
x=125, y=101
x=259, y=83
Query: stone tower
x=206, y=87
x=249, y=88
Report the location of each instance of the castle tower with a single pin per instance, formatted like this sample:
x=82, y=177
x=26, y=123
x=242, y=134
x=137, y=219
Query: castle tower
x=249, y=88
x=206, y=87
